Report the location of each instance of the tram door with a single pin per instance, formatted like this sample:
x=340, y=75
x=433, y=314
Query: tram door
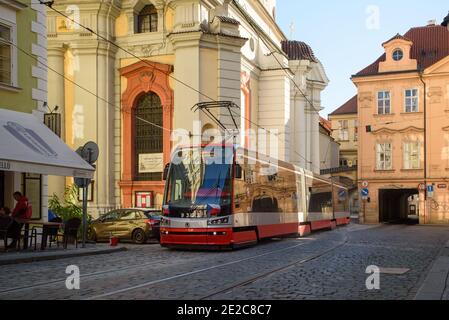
x=301, y=200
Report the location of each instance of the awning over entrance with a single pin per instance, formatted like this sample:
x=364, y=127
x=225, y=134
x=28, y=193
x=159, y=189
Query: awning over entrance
x=27, y=145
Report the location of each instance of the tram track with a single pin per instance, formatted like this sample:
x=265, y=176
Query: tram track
x=93, y=274
x=113, y=271
x=274, y=271
x=239, y=284
x=82, y=276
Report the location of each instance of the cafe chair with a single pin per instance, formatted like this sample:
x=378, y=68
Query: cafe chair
x=5, y=223
x=52, y=234
x=71, y=228
x=33, y=238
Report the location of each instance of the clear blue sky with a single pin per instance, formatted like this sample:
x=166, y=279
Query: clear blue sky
x=346, y=36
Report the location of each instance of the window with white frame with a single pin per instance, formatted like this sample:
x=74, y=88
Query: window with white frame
x=383, y=102
x=344, y=132
x=5, y=55
x=384, y=156
x=411, y=100
x=412, y=155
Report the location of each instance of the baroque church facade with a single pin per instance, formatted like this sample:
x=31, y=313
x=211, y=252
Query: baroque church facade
x=154, y=60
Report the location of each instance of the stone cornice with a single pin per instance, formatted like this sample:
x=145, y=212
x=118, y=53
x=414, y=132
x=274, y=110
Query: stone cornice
x=195, y=38
x=393, y=131
x=14, y=4
x=111, y=7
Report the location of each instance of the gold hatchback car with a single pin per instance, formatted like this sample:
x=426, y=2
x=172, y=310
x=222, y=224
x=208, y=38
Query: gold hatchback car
x=137, y=225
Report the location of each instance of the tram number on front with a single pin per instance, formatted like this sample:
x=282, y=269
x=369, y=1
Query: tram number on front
x=245, y=309
x=194, y=214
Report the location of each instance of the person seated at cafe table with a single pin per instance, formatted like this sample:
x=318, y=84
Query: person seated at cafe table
x=22, y=211
x=4, y=211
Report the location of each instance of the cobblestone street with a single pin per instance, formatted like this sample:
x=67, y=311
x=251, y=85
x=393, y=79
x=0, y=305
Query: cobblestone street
x=327, y=265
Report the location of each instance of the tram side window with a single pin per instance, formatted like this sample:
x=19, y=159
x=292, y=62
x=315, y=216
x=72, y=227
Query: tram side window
x=320, y=196
x=290, y=191
x=265, y=203
x=242, y=203
x=269, y=190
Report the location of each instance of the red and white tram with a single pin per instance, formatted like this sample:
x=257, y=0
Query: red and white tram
x=222, y=196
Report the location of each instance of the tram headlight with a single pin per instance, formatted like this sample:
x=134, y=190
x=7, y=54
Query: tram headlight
x=165, y=222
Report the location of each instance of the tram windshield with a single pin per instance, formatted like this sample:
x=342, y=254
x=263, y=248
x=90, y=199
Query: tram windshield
x=199, y=182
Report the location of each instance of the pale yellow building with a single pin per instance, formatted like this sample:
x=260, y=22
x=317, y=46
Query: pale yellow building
x=345, y=128
x=403, y=105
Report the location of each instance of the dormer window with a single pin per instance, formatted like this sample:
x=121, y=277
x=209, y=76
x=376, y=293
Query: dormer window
x=147, y=20
x=398, y=54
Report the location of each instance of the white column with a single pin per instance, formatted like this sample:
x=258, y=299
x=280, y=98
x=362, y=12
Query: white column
x=300, y=132
x=274, y=111
x=104, y=185
x=56, y=96
x=315, y=142
x=187, y=71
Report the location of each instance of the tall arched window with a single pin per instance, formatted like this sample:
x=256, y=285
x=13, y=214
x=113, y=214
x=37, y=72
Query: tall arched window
x=148, y=139
x=147, y=19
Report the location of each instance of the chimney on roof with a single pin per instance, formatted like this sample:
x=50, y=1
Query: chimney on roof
x=445, y=22
x=432, y=22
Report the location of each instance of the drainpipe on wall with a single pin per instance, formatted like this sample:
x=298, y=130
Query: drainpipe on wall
x=421, y=72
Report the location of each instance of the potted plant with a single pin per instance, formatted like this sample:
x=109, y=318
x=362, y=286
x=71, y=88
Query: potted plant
x=68, y=207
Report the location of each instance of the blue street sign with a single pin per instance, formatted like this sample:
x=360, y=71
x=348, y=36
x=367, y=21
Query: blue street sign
x=430, y=189
x=365, y=192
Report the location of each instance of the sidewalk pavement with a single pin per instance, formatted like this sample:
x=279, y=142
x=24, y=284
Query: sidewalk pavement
x=436, y=284
x=55, y=253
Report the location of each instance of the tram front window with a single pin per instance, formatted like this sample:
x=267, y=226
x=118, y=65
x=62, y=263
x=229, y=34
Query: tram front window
x=199, y=183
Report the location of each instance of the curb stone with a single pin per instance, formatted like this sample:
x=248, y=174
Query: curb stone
x=57, y=256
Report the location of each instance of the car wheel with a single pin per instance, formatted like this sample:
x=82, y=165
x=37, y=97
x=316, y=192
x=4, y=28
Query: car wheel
x=139, y=236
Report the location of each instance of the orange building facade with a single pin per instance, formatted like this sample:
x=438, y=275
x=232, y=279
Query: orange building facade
x=403, y=114
x=144, y=78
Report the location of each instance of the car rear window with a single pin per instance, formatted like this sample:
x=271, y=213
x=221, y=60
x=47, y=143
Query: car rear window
x=150, y=214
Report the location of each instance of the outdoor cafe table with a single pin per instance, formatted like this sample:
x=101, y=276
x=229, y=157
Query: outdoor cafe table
x=46, y=226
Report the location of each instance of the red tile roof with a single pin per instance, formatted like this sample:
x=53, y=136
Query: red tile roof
x=430, y=45
x=326, y=124
x=445, y=21
x=298, y=50
x=397, y=37
x=349, y=107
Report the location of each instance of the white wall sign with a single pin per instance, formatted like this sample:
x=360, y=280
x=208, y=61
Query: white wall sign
x=5, y=165
x=144, y=199
x=151, y=162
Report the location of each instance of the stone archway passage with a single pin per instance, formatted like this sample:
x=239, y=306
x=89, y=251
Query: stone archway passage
x=394, y=206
